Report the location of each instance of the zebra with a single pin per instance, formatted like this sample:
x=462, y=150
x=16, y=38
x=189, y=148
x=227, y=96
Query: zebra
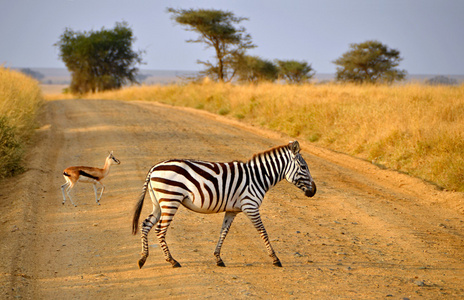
x=212, y=187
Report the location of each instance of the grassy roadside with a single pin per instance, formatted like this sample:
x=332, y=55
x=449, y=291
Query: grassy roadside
x=412, y=128
x=20, y=99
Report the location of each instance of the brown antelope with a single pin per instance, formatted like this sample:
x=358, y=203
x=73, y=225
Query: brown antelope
x=72, y=175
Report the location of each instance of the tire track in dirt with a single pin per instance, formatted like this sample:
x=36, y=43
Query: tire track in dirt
x=368, y=233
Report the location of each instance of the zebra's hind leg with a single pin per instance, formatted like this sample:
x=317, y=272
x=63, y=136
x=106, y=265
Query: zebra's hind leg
x=228, y=219
x=168, y=212
x=146, y=227
x=255, y=218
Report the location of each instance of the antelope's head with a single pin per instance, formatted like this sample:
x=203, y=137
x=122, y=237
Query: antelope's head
x=113, y=159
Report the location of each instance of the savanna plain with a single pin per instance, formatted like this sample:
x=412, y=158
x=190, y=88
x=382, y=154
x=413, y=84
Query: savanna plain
x=370, y=232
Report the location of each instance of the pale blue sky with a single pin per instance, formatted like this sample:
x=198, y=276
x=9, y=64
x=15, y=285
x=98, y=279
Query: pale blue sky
x=428, y=33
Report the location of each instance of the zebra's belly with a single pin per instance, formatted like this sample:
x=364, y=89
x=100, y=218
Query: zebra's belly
x=208, y=206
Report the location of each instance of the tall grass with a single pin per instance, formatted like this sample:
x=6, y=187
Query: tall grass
x=413, y=128
x=20, y=99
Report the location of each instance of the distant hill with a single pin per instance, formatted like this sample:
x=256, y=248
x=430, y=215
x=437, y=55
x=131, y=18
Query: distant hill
x=62, y=76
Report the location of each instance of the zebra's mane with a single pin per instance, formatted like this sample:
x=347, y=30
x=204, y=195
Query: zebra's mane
x=274, y=149
x=256, y=155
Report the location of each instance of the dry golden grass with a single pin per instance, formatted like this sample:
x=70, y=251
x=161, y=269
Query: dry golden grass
x=20, y=99
x=412, y=128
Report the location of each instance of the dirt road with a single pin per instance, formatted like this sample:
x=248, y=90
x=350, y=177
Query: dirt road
x=367, y=234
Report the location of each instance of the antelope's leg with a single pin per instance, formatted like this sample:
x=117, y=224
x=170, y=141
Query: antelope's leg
x=68, y=190
x=62, y=191
x=95, y=191
x=101, y=192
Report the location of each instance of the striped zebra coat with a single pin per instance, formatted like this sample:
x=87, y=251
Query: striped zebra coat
x=210, y=187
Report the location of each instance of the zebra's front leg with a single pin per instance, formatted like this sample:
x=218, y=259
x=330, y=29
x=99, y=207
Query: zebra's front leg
x=146, y=227
x=255, y=218
x=228, y=219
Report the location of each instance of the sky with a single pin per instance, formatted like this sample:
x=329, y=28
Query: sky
x=428, y=33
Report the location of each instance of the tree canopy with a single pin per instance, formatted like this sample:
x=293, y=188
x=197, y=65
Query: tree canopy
x=371, y=62
x=99, y=60
x=254, y=69
x=295, y=71
x=217, y=29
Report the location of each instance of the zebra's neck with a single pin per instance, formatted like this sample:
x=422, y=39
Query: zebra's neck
x=268, y=168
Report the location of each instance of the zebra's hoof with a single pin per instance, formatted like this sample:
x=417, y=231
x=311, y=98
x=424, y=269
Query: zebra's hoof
x=176, y=265
x=141, y=262
x=220, y=264
x=277, y=263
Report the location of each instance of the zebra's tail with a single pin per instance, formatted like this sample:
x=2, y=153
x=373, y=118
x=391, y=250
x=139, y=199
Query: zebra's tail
x=139, y=205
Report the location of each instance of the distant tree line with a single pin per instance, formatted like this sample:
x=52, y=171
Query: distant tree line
x=31, y=73
x=441, y=80
x=104, y=60
x=217, y=29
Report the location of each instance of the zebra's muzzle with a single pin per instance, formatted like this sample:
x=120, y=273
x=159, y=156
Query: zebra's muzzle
x=311, y=191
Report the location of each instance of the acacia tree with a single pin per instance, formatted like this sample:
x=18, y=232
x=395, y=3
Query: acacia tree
x=99, y=60
x=254, y=69
x=217, y=30
x=371, y=62
x=295, y=71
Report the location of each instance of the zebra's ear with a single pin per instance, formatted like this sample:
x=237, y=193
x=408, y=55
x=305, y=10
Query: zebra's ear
x=295, y=147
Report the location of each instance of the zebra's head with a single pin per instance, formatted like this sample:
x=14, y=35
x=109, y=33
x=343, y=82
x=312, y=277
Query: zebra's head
x=298, y=171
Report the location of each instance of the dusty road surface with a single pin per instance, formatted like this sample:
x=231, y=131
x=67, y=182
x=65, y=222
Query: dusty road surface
x=367, y=234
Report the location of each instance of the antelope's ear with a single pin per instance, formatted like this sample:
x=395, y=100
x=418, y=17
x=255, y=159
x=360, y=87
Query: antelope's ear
x=295, y=146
